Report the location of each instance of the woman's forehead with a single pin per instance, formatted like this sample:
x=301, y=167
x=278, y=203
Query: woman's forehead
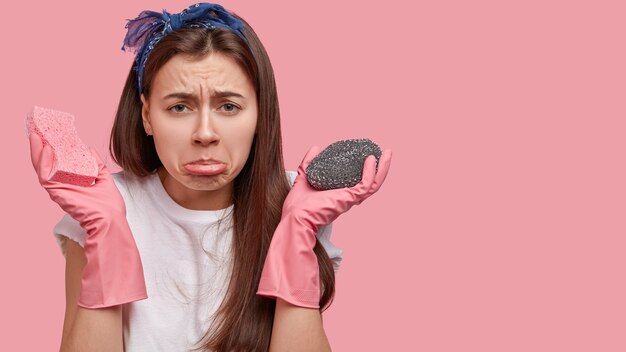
x=213, y=72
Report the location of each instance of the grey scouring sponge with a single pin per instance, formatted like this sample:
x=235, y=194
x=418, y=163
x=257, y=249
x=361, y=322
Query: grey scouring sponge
x=341, y=164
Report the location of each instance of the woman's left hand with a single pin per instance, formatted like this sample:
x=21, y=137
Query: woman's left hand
x=320, y=207
x=291, y=270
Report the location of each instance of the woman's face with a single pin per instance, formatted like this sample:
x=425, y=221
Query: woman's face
x=199, y=110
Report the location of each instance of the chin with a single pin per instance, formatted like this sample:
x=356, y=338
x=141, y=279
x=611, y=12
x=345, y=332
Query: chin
x=205, y=183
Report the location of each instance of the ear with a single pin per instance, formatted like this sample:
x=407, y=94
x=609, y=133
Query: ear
x=145, y=116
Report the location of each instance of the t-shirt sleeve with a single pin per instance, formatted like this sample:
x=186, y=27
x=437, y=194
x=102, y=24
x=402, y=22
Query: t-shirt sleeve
x=323, y=234
x=66, y=228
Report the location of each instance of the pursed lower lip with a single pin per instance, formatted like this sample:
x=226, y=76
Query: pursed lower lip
x=205, y=169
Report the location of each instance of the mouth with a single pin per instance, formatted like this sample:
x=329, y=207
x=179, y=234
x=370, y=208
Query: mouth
x=205, y=167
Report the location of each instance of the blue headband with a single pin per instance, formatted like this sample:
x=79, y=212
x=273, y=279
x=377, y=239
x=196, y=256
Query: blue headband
x=154, y=26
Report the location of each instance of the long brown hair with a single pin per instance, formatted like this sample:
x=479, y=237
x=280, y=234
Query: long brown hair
x=244, y=320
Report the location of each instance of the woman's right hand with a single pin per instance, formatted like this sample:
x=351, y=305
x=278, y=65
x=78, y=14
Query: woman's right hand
x=113, y=274
x=85, y=204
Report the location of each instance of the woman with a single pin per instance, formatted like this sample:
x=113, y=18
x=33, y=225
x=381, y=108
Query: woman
x=193, y=244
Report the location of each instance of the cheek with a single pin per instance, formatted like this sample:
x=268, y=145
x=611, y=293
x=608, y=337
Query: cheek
x=168, y=142
x=239, y=142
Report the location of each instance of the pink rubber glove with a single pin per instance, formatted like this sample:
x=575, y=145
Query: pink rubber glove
x=291, y=271
x=113, y=274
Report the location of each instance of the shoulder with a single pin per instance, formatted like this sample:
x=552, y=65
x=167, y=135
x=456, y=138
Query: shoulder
x=128, y=183
x=119, y=178
x=291, y=176
x=121, y=182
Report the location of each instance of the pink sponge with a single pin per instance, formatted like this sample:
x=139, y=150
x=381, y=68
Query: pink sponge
x=74, y=162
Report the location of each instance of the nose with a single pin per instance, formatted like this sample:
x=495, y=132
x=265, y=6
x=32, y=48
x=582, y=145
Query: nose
x=205, y=133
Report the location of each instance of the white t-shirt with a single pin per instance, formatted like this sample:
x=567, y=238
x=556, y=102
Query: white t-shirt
x=185, y=285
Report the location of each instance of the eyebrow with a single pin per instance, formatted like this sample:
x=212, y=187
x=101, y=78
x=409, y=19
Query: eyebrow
x=217, y=94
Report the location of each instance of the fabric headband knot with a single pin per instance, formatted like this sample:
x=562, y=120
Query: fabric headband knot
x=145, y=31
x=172, y=21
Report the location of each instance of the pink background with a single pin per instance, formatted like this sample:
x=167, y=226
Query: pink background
x=501, y=224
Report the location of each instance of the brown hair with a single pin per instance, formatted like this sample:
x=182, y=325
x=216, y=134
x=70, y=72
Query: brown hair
x=244, y=320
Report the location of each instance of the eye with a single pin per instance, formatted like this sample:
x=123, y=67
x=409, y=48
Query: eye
x=176, y=108
x=230, y=107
